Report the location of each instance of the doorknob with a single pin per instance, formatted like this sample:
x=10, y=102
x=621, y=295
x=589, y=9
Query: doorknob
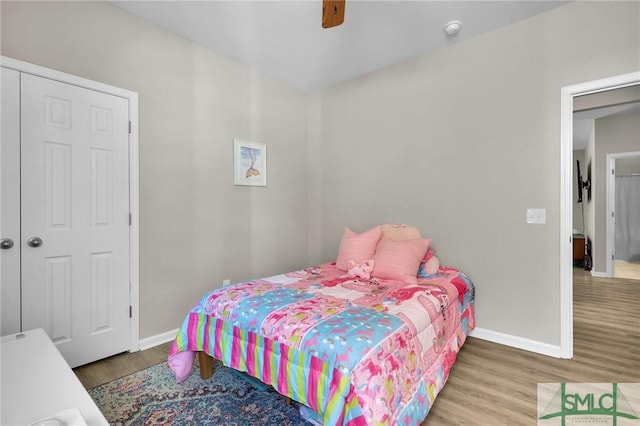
x=6, y=243
x=34, y=242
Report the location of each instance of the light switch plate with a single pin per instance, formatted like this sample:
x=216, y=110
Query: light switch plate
x=537, y=216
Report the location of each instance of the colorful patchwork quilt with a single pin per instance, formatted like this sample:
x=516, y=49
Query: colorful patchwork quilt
x=354, y=351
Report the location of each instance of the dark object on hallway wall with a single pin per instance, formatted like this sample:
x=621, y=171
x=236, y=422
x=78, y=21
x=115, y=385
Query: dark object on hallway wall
x=586, y=184
x=587, y=255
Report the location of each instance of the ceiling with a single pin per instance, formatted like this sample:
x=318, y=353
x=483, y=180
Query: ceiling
x=285, y=40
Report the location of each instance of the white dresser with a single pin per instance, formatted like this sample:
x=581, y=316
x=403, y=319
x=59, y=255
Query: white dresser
x=37, y=383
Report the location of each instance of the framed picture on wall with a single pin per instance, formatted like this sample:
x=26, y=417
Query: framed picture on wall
x=249, y=163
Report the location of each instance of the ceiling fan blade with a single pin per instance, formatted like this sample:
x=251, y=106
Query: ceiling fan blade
x=332, y=13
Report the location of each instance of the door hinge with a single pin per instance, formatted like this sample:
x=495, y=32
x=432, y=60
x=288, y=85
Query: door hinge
x=613, y=171
x=129, y=127
x=130, y=311
x=130, y=219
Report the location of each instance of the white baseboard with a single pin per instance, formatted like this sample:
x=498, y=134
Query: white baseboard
x=599, y=274
x=158, y=339
x=516, y=342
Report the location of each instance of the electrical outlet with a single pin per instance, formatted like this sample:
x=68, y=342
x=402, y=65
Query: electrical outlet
x=226, y=282
x=537, y=216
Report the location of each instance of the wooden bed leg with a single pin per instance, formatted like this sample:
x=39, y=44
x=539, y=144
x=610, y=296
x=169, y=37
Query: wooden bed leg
x=206, y=365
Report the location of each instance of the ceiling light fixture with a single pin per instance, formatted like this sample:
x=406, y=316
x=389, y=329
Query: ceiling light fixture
x=452, y=27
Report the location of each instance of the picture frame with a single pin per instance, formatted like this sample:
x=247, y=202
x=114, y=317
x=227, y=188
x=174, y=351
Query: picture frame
x=249, y=163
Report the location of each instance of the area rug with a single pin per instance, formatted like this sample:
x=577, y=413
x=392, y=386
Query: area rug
x=152, y=397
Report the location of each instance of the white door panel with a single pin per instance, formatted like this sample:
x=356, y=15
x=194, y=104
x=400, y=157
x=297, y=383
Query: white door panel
x=75, y=198
x=10, y=202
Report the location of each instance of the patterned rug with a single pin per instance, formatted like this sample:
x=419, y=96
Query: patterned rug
x=152, y=397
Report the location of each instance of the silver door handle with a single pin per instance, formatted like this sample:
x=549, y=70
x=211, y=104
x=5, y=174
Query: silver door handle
x=34, y=242
x=6, y=243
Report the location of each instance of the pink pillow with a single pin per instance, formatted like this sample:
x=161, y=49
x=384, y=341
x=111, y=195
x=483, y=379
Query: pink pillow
x=399, y=260
x=357, y=247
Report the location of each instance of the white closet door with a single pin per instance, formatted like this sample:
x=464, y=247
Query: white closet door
x=75, y=199
x=10, y=203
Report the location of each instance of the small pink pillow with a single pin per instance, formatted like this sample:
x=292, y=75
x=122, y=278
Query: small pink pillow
x=362, y=270
x=357, y=247
x=399, y=260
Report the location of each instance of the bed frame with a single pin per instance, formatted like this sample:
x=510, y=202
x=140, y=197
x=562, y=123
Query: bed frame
x=205, y=361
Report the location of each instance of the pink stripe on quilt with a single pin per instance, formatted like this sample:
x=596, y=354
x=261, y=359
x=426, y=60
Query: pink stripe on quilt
x=266, y=361
x=358, y=421
x=315, y=369
x=217, y=351
x=282, y=368
x=192, y=331
x=205, y=341
x=333, y=388
x=236, y=351
x=251, y=364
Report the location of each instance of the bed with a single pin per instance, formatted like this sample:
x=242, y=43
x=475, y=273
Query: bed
x=358, y=341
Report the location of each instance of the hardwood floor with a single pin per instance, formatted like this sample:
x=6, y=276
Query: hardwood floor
x=492, y=384
x=109, y=369
x=624, y=269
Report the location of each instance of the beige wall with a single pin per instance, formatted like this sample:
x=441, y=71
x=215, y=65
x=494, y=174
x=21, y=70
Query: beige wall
x=197, y=228
x=613, y=135
x=458, y=142
x=461, y=141
x=628, y=165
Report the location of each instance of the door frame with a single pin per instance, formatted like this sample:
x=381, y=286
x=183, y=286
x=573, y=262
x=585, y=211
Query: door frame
x=567, y=94
x=611, y=204
x=134, y=195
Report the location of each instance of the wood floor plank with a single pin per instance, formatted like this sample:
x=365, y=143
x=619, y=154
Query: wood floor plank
x=112, y=368
x=492, y=384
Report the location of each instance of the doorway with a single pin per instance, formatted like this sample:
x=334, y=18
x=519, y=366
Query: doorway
x=568, y=94
x=623, y=222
